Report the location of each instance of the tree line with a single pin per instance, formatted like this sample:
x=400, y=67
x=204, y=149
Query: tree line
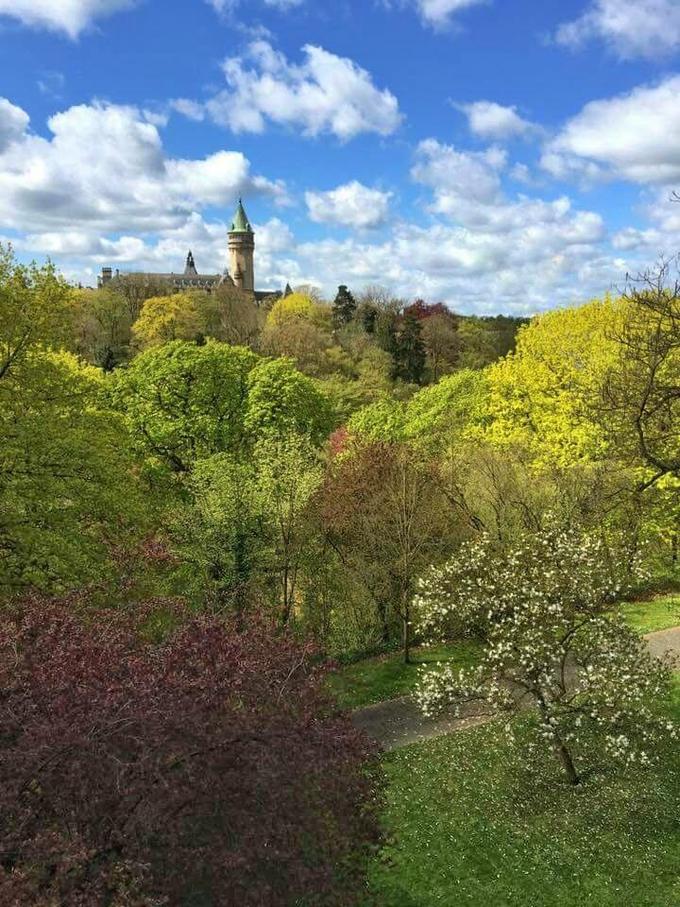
x=184, y=475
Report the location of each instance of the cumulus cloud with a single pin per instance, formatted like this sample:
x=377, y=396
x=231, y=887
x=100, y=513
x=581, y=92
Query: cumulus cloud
x=69, y=16
x=105, y=168
x=458, y=177
x=323, y=94
x=441, y=13
x=467, y=190
x=13, y=123
x=535, y=265
x=525, y=251
x=631, y=28
x=492, y=121
x=659, y=235
x=488, y=251
x=635, y=137
x=352, y=205
x=482, y=251
x=102, y=189
x=82, y=253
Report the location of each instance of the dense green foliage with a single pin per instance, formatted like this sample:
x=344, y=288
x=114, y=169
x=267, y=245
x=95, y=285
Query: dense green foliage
x=312, y=462
x=66, y=493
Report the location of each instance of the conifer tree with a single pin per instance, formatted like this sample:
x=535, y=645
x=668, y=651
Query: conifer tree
x=344, y=307
x=410, y=355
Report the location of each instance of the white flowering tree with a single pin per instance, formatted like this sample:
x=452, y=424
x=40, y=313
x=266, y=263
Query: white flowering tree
x=553, y=641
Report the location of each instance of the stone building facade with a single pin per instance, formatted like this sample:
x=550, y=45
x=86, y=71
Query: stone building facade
x=241, y=272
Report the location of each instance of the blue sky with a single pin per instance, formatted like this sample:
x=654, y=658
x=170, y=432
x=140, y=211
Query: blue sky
x=499, y=155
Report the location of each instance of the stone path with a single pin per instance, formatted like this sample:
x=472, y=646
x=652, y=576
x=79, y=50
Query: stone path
x=399, y=722
x=664, y=641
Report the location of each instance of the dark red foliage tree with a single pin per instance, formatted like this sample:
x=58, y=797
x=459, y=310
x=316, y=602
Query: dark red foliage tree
x=206, y=769
x=422, y=310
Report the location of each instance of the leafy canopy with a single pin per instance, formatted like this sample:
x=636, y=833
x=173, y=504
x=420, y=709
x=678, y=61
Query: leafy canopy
x=184, y=402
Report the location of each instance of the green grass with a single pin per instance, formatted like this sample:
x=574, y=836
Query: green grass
x=467, y=826
x=653, y=614
x=387, y=677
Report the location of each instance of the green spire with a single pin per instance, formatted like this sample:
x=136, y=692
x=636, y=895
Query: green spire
x=241, y=223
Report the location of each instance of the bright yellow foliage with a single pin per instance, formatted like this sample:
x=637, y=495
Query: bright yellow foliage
x=543, y=394
x=166, y=318
x=298, y=307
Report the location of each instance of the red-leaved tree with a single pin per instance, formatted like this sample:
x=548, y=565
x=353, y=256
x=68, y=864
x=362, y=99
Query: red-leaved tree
x=208, y=768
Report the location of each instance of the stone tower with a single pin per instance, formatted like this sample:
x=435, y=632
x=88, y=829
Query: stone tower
x=242, y=251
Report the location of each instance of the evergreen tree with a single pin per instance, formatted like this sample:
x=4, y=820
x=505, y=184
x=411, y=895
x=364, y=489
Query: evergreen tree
x=344, y=306
x=410, y=354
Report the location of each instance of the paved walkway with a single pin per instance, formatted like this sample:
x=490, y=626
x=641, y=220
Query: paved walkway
x=398, y=722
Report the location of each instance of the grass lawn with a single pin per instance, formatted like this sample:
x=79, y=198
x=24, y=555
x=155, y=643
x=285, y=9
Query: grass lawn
x=387, y=677
x=467, y=826
x=654, y=614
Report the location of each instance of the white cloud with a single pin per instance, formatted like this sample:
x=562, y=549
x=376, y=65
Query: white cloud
x=441, y=13
x=659, y=236
x=484, y=252
x=458, y=176
x=69, y=16
x=634, y=136
x=226, y=7
x=352, y=205
x=489, y=120
x=13, y=123
x=82, y=253
x=223, y=6
x=102, y=189
x=192, y=110
x=631, y=28
x=489, y=252
x=104, y=168
x=537, y=263
x=323, y=94
x=467, y=191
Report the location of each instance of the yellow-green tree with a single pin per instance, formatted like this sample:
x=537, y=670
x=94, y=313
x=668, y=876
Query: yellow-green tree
x=166, y=318
x=35, y=309
x=66, y=484
x=547, y=393
x=300, y=328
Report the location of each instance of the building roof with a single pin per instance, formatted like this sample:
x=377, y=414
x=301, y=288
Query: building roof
x=241, y=223
x=190, y=268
